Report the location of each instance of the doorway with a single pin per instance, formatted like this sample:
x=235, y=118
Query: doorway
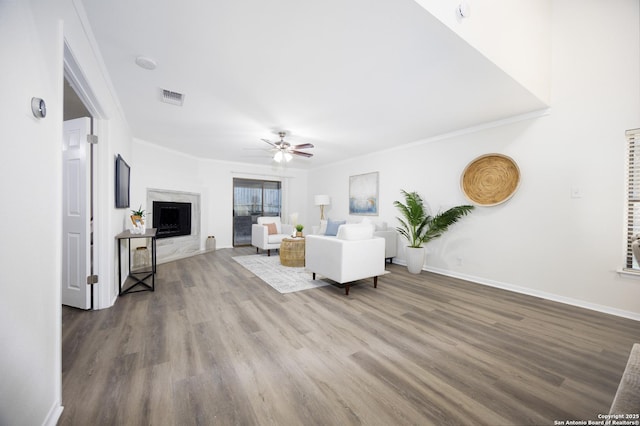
x=77, y=202
x=79, y=101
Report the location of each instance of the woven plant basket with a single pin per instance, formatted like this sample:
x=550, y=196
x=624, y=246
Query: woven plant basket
x=490, y=179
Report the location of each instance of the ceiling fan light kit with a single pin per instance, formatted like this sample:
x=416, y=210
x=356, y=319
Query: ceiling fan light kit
x=284, y=151
x=280, y=156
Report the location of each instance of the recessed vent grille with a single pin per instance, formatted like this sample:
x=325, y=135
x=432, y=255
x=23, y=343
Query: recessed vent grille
x=173, y=98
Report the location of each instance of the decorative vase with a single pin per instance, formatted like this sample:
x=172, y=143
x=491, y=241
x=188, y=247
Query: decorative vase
x=138, y=225
x=299, y=234
x=415, y=259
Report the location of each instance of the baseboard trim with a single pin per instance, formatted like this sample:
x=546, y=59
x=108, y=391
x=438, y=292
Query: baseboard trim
x=532, y=292
x=54, y=415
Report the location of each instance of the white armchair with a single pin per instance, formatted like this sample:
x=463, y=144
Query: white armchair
x=266, y=237
x=352, y=255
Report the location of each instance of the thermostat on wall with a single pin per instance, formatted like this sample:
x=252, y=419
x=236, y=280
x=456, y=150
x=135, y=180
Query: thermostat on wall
x=38, y=107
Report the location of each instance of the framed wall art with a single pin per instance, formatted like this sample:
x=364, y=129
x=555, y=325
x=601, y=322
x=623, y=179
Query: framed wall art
x=363, y=194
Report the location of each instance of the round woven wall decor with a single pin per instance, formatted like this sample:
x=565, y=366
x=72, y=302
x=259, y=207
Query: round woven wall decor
x=490, y=179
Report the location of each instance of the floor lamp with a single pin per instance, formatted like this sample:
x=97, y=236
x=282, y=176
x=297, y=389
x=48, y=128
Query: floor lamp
x=322, y=200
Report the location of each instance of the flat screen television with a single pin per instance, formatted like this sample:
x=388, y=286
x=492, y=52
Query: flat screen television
x=123, y=177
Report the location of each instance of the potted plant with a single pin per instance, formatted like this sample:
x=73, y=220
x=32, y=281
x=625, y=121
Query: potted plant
x=137, y=218
x=418, y=227
x=299, y=229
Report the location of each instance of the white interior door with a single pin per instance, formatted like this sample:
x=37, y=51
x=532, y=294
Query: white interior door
x=76, y=264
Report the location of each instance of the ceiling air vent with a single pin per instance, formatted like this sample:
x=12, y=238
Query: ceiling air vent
x=173, y=98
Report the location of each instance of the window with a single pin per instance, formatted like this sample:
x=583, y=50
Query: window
x=253, y=198
x=633, y=194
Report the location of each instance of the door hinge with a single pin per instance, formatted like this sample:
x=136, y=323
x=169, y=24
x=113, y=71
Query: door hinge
x=92, y=139
x=92, y=279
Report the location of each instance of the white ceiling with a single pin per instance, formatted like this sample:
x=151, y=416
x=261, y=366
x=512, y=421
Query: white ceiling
x=349, y=76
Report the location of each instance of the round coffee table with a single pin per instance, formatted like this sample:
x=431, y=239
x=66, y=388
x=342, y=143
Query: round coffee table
x=292, y=252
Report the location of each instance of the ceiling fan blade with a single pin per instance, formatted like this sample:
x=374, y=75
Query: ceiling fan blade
x=269, y=142
x=303, y=154
x=303, y=146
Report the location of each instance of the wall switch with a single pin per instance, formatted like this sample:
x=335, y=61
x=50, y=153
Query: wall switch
x=576, y=192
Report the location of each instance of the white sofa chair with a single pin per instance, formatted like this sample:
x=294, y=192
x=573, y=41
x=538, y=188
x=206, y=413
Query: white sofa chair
x=353, y=254
x=262, y=239
x=390, y=243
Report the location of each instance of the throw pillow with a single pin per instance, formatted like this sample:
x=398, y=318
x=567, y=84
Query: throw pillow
x=332, y=227
x=272, y=229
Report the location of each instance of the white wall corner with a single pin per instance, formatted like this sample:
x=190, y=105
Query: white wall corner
x=514, y=35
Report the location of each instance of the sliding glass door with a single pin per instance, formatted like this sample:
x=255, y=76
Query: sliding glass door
x=253, y=198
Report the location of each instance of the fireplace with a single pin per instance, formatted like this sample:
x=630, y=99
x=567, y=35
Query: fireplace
x=171, y=219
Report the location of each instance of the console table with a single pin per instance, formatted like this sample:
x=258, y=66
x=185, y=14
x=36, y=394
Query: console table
x=141, y=277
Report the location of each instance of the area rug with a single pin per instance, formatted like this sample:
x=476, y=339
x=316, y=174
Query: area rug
x=285, y=279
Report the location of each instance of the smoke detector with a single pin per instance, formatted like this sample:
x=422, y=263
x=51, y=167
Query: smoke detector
x=146, y=63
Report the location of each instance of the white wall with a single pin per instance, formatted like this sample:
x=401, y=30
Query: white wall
x=542, y=241
x=515, y=35
x=31, y=187
x=160, y=168
x=30, y=253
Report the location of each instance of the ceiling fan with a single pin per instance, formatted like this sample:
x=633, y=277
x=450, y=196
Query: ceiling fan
x=284, y=151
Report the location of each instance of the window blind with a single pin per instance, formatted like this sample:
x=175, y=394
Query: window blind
x=633, y=193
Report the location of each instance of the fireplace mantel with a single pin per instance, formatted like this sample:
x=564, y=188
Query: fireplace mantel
x=174, y=248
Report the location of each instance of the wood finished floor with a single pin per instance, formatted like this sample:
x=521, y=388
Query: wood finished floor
x=214, y=345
